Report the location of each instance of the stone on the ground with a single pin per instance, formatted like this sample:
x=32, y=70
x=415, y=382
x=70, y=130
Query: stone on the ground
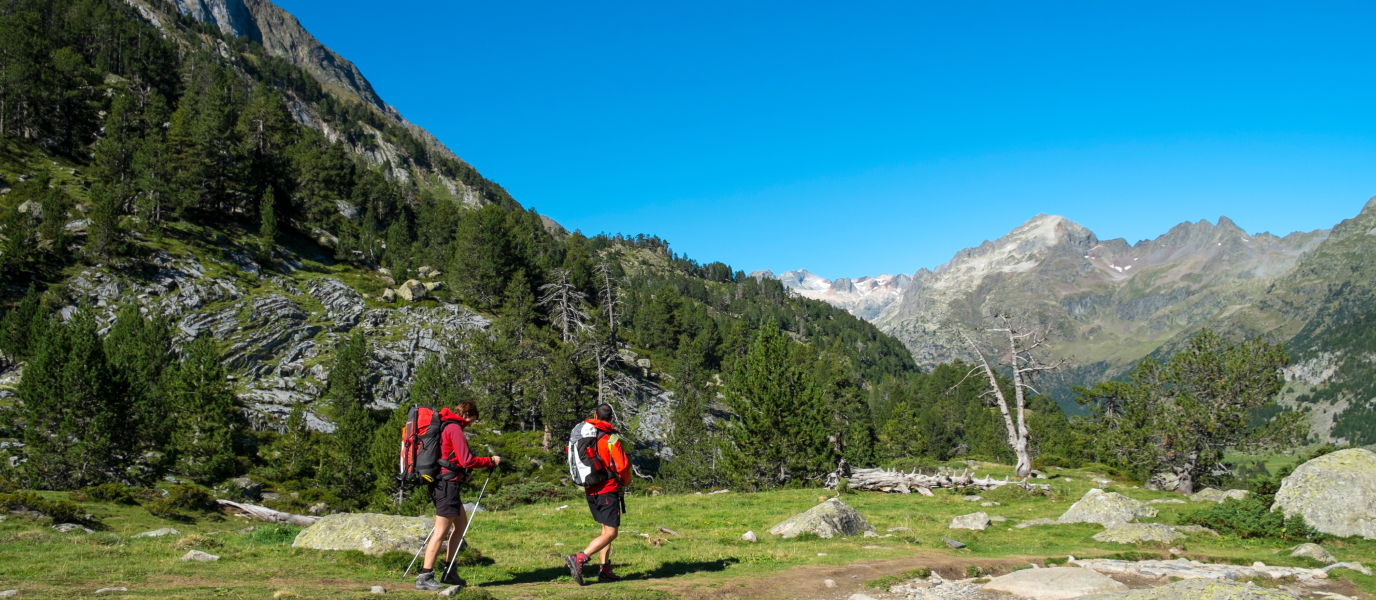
x=1132, y=533
x=750, y=537
x=371, y=534
x=319, y=508
x=32, y=209
x=826, y=520
x=954, y=544
x=431, y=286
x=412, y=291
x=1335, y=492
x=424, y=272
x=1315, y=552
x=859, y=596
x=1218, y=496
x=977, y=521
x=111, y=590
x=70, y=527
x=987, y=504
x=1197, y=589
x=158, y=533
x=198, y=556
x=829, y=583
x=452, y=590
x=1106, y=508
x=973, y=498
x=1056, y=583
x=389, y=295
x=1035, y=522
x=251, y=488
x=8, y=593
x=377, y=589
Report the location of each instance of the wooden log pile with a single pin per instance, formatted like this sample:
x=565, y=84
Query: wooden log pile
x=882, y=480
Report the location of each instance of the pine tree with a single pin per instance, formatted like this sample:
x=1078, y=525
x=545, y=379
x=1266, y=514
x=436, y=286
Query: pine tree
x=267, y=230
x=202, y=437
x=694, y=448
x=106, y=238
x=114, y=153
x=349, y=387
x=264, y=131
x=19, y=245
x=153, y=166
x=901, y=436
x=780, y=434
x=56, y=206
x=74, y=410
x=353, y=466
x=481, y=262
x=139, y=352
x=17, y=339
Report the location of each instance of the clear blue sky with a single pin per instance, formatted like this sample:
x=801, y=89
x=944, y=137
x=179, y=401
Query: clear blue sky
x=857, y=138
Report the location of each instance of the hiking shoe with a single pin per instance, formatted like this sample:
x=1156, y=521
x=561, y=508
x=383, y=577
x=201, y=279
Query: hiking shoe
x=605, y=575
x=452, y=578
x=575, y=563
x=425, y=582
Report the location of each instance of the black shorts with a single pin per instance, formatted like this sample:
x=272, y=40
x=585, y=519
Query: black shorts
x=606, y=509
x=446, y=497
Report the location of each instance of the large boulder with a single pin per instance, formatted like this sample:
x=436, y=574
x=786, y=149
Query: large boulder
x=1106, y=508
x=412, y=291
x=977, y=521
x=1057, y=583
x=1335, y=492
x=1218, y=496
x=1133, y=533
x=826, y=520
x=368, y=533
x=1197, y=589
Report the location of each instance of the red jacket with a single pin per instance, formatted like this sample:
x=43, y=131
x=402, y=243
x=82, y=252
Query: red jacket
x=609, y=450
x=454, y=445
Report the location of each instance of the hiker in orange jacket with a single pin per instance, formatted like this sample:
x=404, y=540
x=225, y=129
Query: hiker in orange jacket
x=604, y=498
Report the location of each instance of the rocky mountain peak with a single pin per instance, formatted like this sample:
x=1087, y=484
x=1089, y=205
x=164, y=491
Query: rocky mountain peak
x=231, y=16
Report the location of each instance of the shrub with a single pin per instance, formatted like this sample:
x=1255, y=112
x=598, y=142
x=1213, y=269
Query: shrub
x=61, y=511
x=273, y=535
x=534, y=492
x=197, y=542
x=191, y=497
x=1252, y=517
x=973, y=570
x=109, y=493
x=163, y=509
x=888, y=581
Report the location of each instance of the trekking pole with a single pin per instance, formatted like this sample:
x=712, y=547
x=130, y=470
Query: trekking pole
x=423, y=545
x=476, y=504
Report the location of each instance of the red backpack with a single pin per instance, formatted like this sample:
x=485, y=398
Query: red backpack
x=420, y=449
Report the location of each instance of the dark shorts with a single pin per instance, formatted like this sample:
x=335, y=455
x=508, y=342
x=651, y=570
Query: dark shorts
x=446, y=497
x=606, y=509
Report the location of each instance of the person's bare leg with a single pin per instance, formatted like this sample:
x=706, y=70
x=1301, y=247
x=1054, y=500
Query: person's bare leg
x=432, y=550
x=607, y=551
x=601, y=542
x=454, y=534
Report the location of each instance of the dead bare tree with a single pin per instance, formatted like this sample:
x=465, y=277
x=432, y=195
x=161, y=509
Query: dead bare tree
x=566, y=304
x=1025, y=344
x=608, y=295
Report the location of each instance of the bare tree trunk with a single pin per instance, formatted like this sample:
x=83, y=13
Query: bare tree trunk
x=1017, y=436
x=1186, y=473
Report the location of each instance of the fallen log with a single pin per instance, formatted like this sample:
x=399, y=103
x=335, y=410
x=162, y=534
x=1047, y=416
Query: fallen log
x=263, y=513
x=897, y=481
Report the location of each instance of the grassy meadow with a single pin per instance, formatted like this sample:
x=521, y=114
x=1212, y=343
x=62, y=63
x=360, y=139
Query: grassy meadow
x=523, y=548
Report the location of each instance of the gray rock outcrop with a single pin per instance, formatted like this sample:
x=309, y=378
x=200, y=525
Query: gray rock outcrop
x=1336, y=493
x=158, y=533
x=977, y=521
x=1218, y=496
x=1057, y=583
x=1133, y=533
x=1197, y=589
x=826, y=520
x=371, y=534
x=1315, y=552
x=1106, y=508
x=198, y=556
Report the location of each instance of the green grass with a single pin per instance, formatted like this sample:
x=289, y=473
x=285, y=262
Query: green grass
x=525, y=546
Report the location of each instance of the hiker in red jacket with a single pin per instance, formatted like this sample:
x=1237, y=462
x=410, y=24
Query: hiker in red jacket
x=604, y=497
x=455, y=462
